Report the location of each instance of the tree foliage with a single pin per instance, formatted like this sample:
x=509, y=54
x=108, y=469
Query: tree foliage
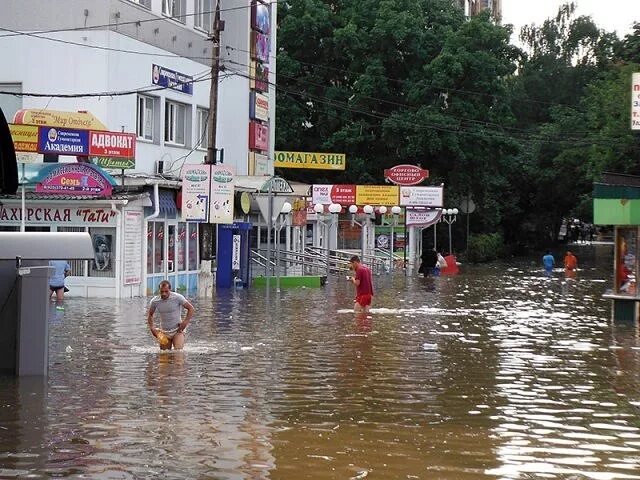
x=525, y=132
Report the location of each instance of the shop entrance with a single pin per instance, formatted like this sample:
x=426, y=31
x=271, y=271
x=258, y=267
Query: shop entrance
x=172, y=254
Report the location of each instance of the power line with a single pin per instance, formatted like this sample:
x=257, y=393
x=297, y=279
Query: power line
x=120, y=93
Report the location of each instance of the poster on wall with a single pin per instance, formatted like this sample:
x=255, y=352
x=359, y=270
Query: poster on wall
x=195, y=192
x=132, y=247
x=101, y=252
x=258, y=136
x=221, y=198
x=258, y=106
x=260, y=17
x=259, y=76
x=260, y=47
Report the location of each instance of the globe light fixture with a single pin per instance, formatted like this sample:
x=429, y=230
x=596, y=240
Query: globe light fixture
x=353, y=209
x=286, y=208
x=335, y=208
x=396, y=210
x=382, y=209
x=318, y=208
x=368, y=209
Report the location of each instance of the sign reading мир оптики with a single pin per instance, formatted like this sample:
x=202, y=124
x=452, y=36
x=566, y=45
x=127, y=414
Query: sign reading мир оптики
x=314, y=160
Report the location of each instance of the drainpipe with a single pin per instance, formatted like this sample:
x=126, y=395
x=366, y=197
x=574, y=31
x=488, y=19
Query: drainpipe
x=145, y=242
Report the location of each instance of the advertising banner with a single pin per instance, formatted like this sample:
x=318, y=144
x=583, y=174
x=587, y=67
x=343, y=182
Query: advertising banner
x=260, y=18
x=165, y=77
x=54, y=118
x=74, y=179
x=115, y=163
x=312, y=160
x=63, y=141
x=377, y=195
x=258, y=76
x=222, y=186
x=406, y=174
x=112, y=144
x=422, y=218
x=259, y=106
x=421, y=196
x=132, y=247
x=25, y=137
x=328, y=194
x=258, y=164
x=43, y=214
x=258, y=136
x=196, y=182
x=260, y=47
x=635, y=101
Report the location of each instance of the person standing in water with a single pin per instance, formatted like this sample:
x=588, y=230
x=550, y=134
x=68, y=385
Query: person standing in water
x=60, y=270
x=548, y=262
x=364, y=284
x=169, y=304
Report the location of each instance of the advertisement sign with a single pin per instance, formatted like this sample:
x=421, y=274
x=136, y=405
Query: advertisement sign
x=422, y=218
x=258, y=164
x=260, y=47
x=115, y=163
x=235, y=252
x=27, y=157
x=195, y=192
x=328, y=194
x=312, y=160
x=165, y=77
x=377, y=195
x=258, y=76
x=259, y=106
x=222, y=185
x=54, y=118
x=74, y=179
x=260, y=17
x=421, y=196
x=406, y=174
x=635, y=101
x=25, y=137
x=132, y=247
x=258, y=136
x=44, y=214
x=299, y=211
x=112, y=144
x=63, y=141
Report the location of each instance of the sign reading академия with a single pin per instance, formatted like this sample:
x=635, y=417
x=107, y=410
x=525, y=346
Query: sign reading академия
x=315, y=160
x=421, y=196
x=63, y=141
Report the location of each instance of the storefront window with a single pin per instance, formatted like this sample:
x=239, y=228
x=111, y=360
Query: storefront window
x=193, y=246
x=104, y=252
x=626, y=260
x=158, y=241
x=77, y=266
x=182, y=246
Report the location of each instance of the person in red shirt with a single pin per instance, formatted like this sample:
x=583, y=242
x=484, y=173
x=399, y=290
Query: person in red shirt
x=364, y=284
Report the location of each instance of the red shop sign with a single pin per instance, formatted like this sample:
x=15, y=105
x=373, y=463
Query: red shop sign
x=406, y=174
x=343, y=194
x=112, y=144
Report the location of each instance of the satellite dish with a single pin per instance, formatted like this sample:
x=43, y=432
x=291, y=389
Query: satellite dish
x=467, y=205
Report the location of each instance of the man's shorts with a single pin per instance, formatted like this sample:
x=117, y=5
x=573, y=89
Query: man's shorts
x=364, y=300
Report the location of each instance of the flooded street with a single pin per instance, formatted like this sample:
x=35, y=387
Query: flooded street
x=496, y=373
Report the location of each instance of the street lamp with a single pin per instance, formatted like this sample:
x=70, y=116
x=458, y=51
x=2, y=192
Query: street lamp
x=282, y=218
x=449, y=217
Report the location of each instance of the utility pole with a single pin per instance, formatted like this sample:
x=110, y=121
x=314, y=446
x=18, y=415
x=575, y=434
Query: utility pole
x=208, y=230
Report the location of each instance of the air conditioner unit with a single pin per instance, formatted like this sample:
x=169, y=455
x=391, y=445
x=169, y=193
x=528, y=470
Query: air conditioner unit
x=159, y=167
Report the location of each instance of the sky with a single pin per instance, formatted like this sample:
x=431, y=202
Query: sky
x=609, y=15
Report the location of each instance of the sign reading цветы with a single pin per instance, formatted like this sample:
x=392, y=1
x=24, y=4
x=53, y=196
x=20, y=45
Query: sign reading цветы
x=314, y=160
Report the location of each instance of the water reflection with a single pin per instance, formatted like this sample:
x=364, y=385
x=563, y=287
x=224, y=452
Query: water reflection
x=498, y=373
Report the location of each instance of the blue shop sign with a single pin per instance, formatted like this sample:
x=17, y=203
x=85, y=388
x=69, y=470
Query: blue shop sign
x=171, y=79
x=64, y=141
